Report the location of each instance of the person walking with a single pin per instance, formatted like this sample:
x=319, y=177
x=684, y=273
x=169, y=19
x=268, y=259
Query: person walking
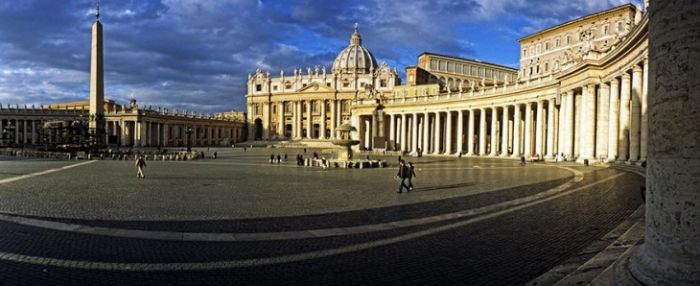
x=279, y=158
x=411, y=175
x=140, y=164
x=403, y=175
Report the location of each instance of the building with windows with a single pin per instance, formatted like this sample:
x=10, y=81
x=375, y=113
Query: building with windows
x=580, y=93
x=104, y=123
x=308, y=105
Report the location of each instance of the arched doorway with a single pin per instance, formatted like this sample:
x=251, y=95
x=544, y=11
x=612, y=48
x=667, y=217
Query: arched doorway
x=258, y=129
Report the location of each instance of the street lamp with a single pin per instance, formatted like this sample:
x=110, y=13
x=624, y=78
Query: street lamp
x=188, y=131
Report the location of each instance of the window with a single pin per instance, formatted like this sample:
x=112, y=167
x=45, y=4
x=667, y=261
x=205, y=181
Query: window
x=443, y=65
x=556, y=43
x=538, y=69
x=346, y=83
x=546, y=67
x=619, y=26
x=287, y=85
x=382, y=83
x=488, y=73
x=274, y=87
x=568, y=39
x=530, y=70
x=450, y=67
x=303, y=85
x=258, y=87
x=524, y=52
x=537, y=50
x=606, y=30
x=328, y=84
x=546, y=46
x=433, y=64
x=274, y=109
x=474, y=71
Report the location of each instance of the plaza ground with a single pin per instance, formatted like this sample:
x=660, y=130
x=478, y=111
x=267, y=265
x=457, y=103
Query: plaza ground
x=238, y=219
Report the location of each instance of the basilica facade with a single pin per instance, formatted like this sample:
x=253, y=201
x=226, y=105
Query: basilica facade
x=579, y=94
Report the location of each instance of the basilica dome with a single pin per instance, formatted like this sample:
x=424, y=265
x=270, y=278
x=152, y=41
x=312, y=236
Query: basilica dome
x=355, y=58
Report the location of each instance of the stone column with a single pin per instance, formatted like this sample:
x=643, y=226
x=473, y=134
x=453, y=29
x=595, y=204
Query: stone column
x=504, y=132
x=448, y=133
x=670, y=254
x=569, y=125
x=614, y=120
x=332, y=121
x=624, y=127
x=24, y=132
x=426, y=133
x=538, y=128
x=578, y=127
x=309, y=119
x=438, y=136
x=645, y=130
x=482, y=131
x=550, y=128
x=322, y=132
x=527, y=150
x=403, y=132
x=166, y=135
x=414, y=132
x=494, y=132
x=603, y=114
x=280, y=120
x=470, y=133
x=635, y=113
x=35, y=135
x=516, y=130
x=460, y=132
x=588, y=122
x=16, y=131
x=392, y=131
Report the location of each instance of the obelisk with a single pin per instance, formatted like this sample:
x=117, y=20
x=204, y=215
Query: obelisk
x=96, y=118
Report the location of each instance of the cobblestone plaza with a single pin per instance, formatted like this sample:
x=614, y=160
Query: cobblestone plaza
x=239, y=219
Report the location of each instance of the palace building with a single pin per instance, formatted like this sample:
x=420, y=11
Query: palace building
x=103, y=122
x=580, y=93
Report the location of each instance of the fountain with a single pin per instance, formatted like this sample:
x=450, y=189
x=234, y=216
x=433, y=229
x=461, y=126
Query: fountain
x=344, y=136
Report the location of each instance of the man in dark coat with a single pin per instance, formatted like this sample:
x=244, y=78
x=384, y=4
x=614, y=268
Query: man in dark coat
x=404, y=173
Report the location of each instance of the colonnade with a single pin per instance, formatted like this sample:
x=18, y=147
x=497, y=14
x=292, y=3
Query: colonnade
x=302, y=119
x=20, y=131
x=168, y=134
x=602, y=119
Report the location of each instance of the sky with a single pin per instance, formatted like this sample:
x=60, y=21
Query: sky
x=196, y=54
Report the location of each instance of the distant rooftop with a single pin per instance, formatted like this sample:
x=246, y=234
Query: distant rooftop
x=469, y=60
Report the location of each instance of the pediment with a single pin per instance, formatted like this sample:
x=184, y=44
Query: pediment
x=316, y=87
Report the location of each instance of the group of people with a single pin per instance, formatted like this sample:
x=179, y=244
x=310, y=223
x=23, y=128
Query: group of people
x=277, y=159
x=405, y=172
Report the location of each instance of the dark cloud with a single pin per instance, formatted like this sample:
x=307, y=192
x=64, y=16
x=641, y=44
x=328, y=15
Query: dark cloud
x=197, y=54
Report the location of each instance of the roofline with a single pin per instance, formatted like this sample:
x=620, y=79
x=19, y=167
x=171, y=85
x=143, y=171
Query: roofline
x=628, y=5
x=470, y=60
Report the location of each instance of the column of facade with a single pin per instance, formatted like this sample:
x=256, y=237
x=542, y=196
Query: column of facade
x=603, y=121
x=333, y=116
x=414, y=133
x=426, y=133
x=403, y=132
x=448, y=133
x=538, y=128
x=470, y=133
x=460, y=132
x=578, y=127
x=527, y=146
x=322, y=133
x=482, y=132
x=280, y=120
x=670, y=254
x=614, y=120
x=516, y=130
x=24, y=132
x=550, y=129
x=436, y=132
x=16, y=131
x=504, y=132
x=635, y=113
x=35, y=134
x=309, y=119
x=494, y=132
x=588, y=122
x=644, y=133
x=569, y=125
x=392, y=132
x=624, y=127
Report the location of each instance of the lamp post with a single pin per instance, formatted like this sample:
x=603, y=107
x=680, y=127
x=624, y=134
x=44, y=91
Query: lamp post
x=188, y=131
